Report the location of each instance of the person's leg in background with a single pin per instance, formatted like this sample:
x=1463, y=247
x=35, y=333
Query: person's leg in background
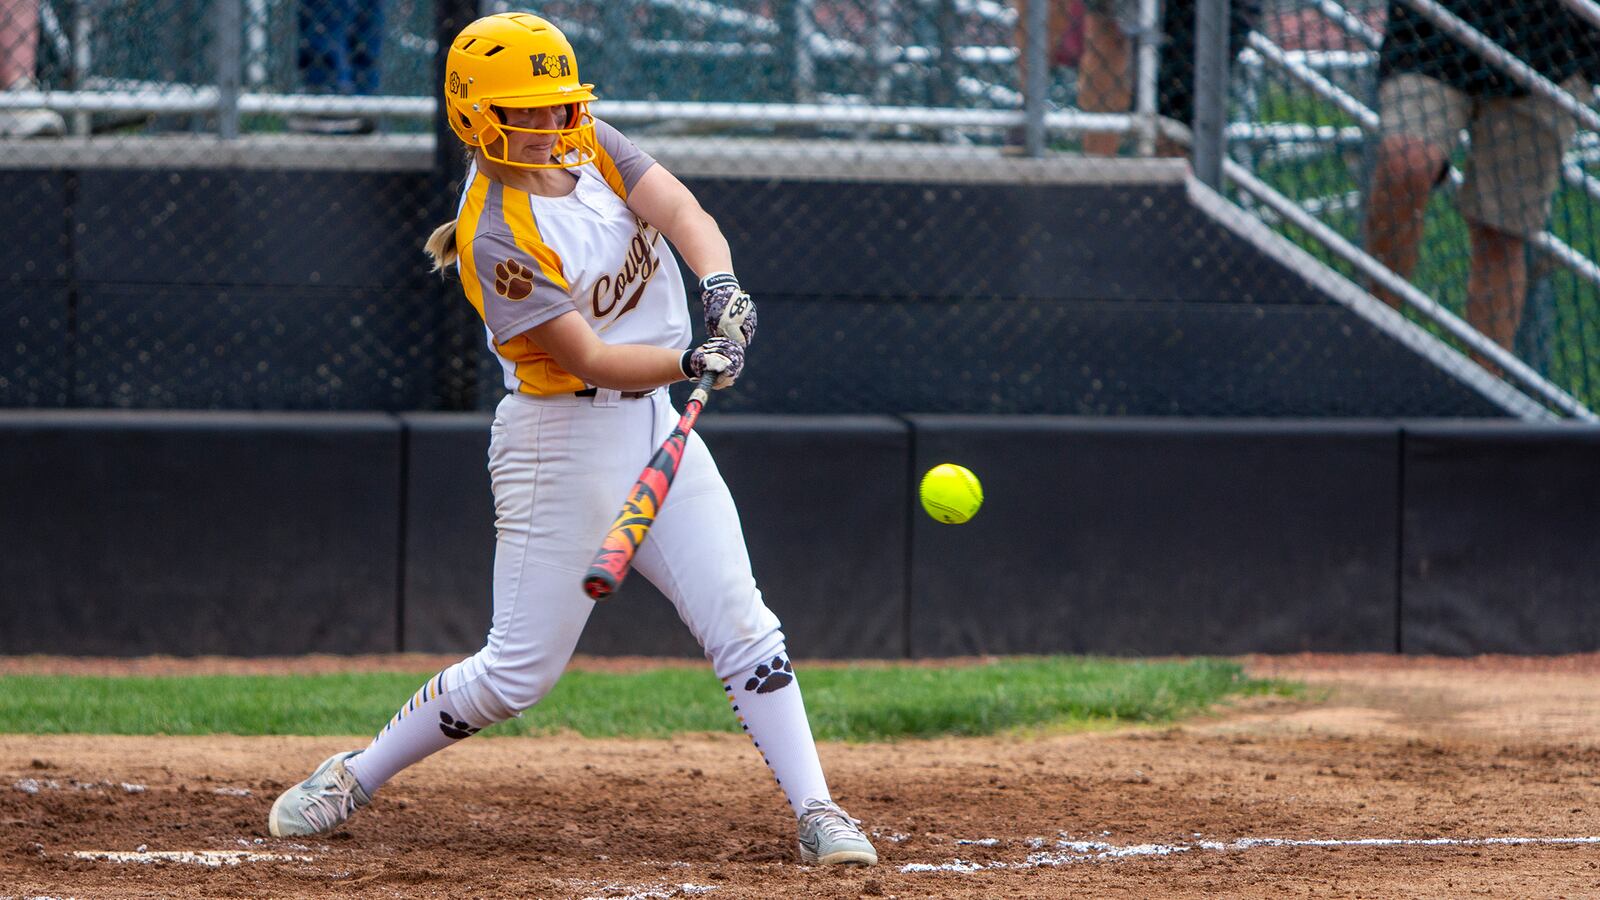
x=1511, y=176
x=1105, y=78
x=1497, y=282
x=19, y=40
x=1058, y=18
x=1403, y=176
x=19, y=44
x=1420, y=118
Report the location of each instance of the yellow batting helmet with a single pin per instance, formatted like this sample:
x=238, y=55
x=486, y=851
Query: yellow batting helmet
x=520, y=61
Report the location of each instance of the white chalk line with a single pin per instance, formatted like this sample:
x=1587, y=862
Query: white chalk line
x=657, y=891
x=209, y=858
x=35, y=785
x=1070, y=852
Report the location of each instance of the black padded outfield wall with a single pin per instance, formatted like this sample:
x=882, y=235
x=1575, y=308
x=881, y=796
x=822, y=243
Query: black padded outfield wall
x=1501, y=540
x=254, y=534
x=449, y=532
x=132, y=533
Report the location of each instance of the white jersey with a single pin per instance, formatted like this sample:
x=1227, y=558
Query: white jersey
x=526, y=259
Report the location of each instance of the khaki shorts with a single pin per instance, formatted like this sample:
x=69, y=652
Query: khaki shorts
x=1514, y=164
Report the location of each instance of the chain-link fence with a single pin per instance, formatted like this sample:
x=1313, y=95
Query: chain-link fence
x=1452, y=141
x=221, y=204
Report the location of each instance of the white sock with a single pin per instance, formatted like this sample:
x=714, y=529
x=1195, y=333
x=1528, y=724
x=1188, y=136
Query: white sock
x=768, y=704
x=428, y=723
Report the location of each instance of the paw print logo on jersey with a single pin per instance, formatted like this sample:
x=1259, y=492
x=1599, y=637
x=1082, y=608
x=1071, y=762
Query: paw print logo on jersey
x=454, y=728
x=513, y=280
x=771, y=676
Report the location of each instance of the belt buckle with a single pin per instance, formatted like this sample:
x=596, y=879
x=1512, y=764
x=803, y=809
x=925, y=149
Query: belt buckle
x=609, y=397
x=626, y=395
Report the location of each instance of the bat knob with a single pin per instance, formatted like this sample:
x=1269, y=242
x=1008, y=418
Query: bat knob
x=598, y=586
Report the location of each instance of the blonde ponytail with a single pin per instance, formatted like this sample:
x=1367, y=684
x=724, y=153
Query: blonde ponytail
x=441, y=245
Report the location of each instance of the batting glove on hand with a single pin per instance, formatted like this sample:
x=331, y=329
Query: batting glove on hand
x=729, y=310
x=719, y=355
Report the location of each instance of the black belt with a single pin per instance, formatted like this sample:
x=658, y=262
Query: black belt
x=626, y=395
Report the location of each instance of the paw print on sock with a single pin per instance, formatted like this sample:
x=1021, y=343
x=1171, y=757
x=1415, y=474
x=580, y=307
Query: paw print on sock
x=454, y=728
x=513, y=280
x=771, y=676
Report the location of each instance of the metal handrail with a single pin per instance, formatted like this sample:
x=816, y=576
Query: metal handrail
x=206, y=99
x=1350, y=23
x=1314, y=80
x=1588, y=10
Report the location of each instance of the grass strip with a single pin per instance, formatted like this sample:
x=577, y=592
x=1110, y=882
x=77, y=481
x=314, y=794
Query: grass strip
x=866, y=702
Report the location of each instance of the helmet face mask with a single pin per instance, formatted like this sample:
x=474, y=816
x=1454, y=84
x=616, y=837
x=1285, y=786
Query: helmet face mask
x=574, y=144
x=517, y=61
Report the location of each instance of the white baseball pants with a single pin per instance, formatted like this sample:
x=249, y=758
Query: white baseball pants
x=560, y=468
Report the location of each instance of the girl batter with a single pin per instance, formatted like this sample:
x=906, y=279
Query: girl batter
x=559, y=243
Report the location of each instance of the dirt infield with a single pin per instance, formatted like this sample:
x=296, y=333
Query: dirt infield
x=1400, y=778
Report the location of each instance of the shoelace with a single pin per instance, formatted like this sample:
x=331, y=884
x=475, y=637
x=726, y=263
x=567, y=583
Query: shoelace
x=832, y=820
x=334, y=803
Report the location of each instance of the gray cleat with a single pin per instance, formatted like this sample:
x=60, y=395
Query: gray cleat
x=320, y=803
x=829, y=837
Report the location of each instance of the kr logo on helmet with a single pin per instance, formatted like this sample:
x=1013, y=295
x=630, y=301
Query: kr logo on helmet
x=457, y=86
x=542, y=64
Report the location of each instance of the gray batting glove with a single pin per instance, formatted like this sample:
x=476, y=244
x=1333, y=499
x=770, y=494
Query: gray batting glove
x=729, y=311
x=719, y=355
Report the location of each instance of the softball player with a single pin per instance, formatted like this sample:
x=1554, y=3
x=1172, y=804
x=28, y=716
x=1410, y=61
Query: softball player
x=559, y=243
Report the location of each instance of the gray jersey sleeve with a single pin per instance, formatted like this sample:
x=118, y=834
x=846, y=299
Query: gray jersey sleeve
x=631, y=162
x=520, y=290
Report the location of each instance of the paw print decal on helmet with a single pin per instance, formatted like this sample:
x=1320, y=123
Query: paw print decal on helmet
x=513, y=280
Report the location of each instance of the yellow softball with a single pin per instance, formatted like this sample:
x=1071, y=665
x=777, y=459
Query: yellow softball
x=951, y=493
